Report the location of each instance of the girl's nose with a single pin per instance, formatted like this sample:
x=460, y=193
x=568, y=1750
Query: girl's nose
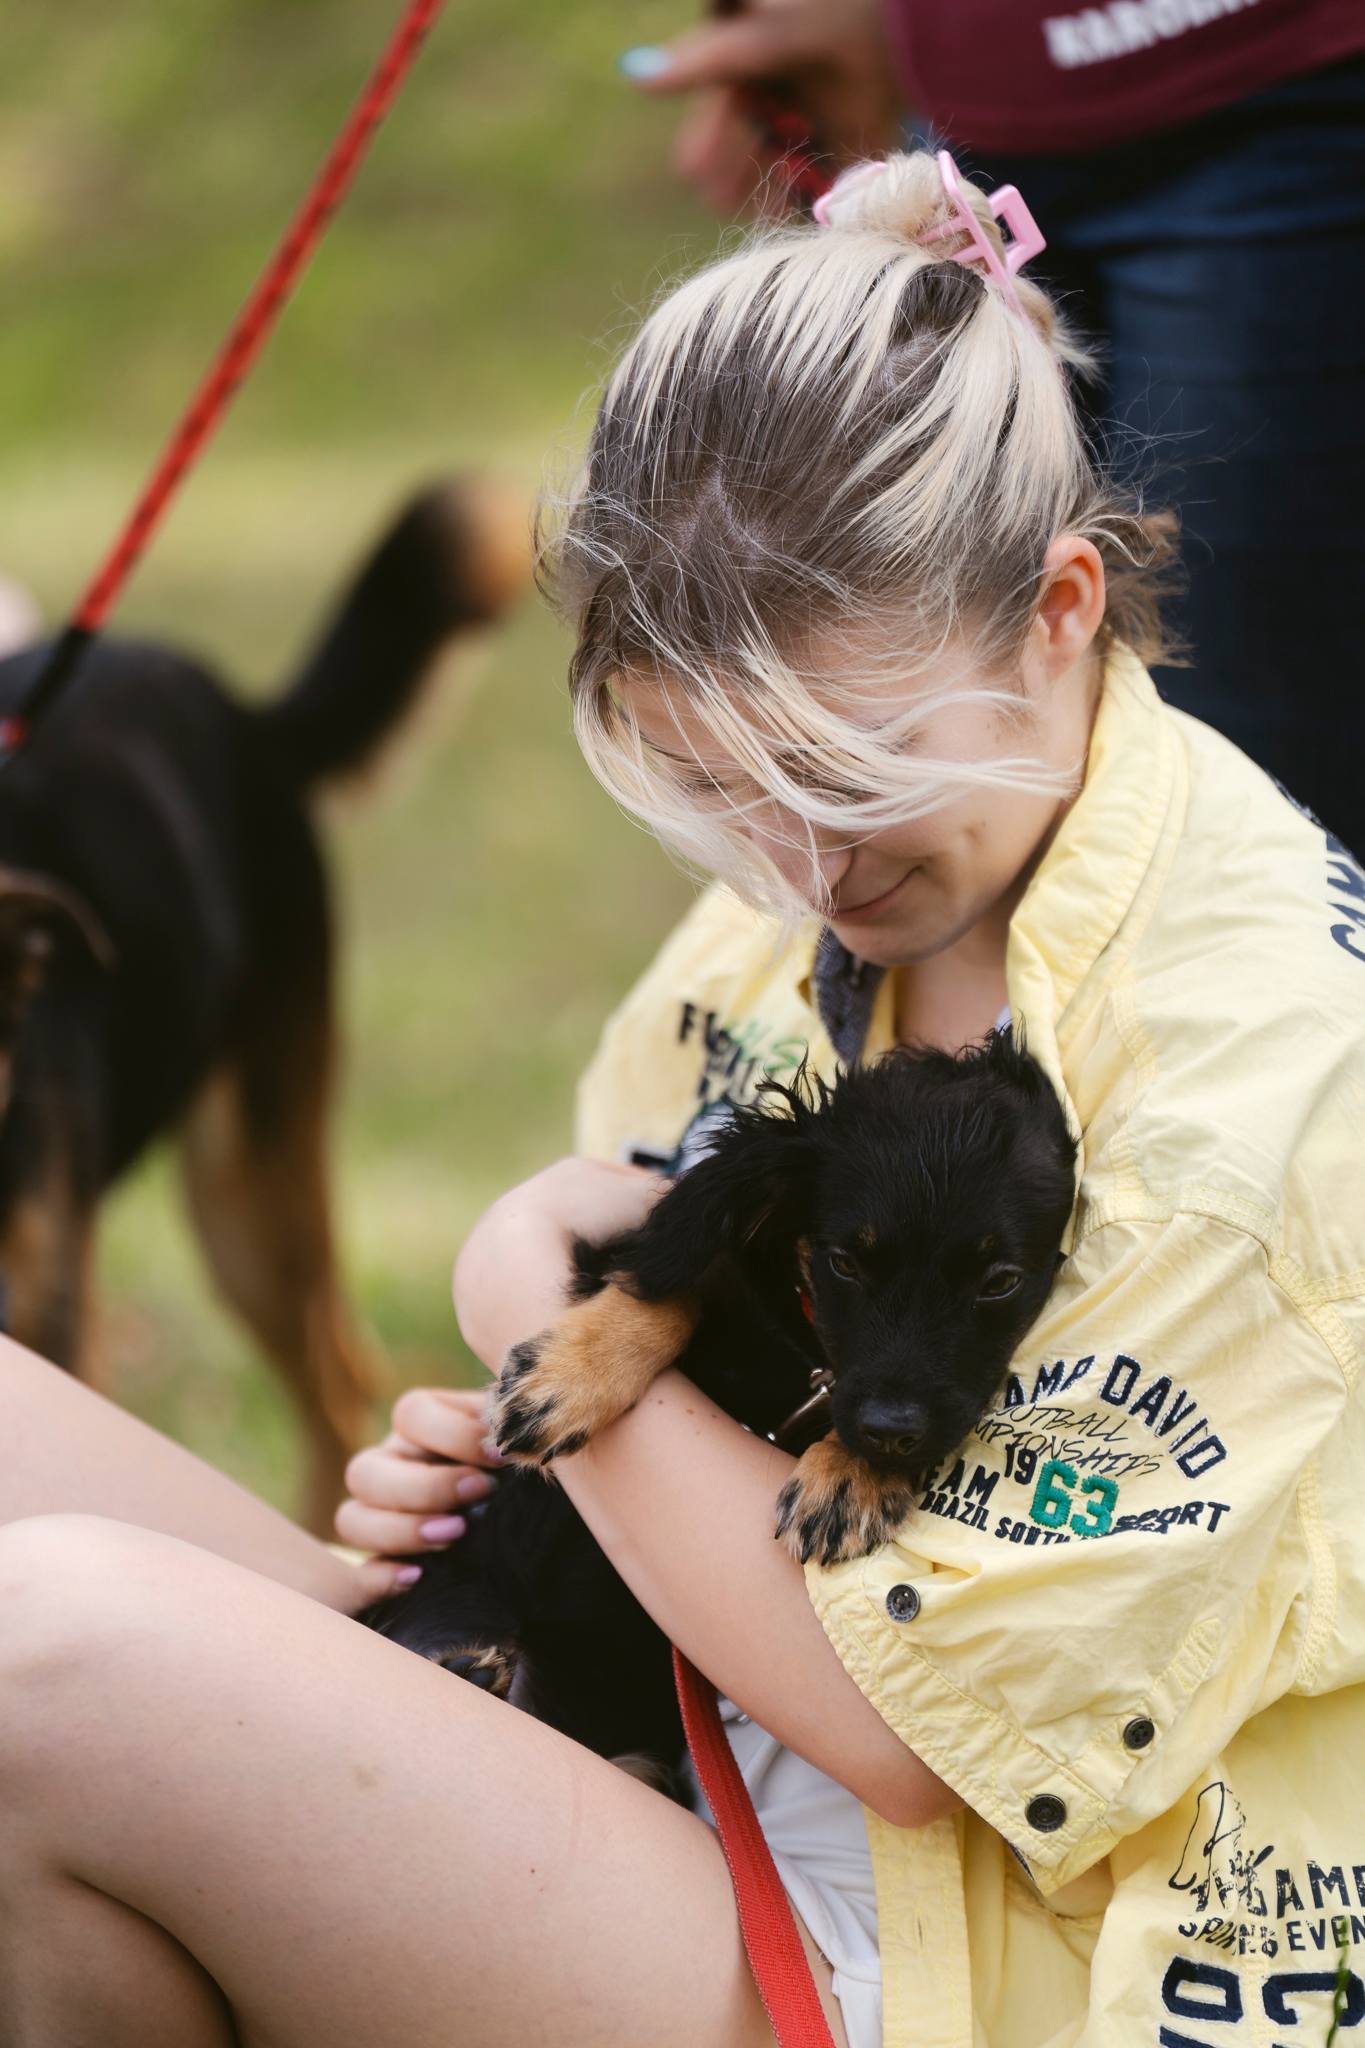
x=788, y=843
x=832, y=864
x=835, y=863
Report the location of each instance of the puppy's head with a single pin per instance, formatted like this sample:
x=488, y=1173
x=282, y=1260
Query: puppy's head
x=933, y=1194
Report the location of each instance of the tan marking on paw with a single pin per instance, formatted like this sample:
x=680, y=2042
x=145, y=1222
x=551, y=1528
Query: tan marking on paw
x=558, y=1391
x=481, y=1664
x=835, y=1506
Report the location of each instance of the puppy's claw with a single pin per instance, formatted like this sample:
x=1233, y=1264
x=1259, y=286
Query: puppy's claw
x=521, y=1359
x=834, y=1507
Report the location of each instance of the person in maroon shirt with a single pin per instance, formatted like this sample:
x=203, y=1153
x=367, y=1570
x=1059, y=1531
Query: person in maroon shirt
x=1198, y=169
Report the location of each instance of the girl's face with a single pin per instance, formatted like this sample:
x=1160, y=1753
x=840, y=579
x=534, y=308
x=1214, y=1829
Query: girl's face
x=907, y=892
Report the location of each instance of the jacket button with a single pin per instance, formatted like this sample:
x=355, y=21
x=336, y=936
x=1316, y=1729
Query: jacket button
x=902, y=1603
x=1047, y=1813
x=1139, y=1733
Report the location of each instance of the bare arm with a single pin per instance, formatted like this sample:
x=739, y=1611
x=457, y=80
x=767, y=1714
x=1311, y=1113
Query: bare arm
x=65, y=1449
x=681, y=1499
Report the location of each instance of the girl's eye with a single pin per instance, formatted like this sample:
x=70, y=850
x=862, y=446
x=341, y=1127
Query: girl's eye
x=841, y=1265
x=1000, y=1283
x=712, y=788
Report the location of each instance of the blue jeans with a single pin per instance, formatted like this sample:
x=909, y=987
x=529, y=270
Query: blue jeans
x=1222, y=264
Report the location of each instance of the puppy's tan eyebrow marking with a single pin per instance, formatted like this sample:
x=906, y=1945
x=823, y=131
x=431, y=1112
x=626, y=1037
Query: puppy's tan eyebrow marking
x=865, y=1237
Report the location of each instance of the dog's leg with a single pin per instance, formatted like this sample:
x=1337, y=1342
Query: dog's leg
x=259, y=1197
x=560, y=1388
x=835, y=1506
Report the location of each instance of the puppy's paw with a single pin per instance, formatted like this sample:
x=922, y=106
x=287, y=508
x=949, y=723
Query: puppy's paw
x=532, y=1402
x=835, y=1507
x=557, y=1390
x=490, y=1666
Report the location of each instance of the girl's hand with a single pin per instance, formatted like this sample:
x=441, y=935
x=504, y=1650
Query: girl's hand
x=407, y=1494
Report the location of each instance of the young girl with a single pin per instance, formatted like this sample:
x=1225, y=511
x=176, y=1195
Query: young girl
x=1076, y=1757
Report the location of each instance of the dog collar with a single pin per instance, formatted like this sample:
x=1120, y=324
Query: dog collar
x=822, y=1384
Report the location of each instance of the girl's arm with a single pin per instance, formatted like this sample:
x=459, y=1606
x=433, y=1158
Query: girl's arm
x=64, y=1449
x=681, y=1499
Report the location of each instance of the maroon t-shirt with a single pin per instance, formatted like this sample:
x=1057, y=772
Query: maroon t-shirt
x=1012, y=75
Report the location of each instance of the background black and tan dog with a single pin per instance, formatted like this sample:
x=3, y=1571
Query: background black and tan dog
x=166, y=954
x=887, y=1241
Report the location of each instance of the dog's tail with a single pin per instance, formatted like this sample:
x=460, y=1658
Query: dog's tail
x=457, y=556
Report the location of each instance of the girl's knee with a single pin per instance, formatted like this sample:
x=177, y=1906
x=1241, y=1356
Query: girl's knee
x=66, y=1583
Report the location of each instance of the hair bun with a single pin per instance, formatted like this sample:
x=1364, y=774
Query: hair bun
x=899, y=195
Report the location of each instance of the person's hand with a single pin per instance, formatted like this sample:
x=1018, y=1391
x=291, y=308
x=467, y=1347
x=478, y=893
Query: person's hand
x=832, y=54
x=408, y=1494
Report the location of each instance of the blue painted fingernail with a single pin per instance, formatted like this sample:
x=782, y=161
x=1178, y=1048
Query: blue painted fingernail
x=442, y=1529
x=646, y=61
x=407, y=1575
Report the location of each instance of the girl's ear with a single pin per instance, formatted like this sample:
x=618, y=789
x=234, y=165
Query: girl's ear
x=1071, y=606
x=753, y=1186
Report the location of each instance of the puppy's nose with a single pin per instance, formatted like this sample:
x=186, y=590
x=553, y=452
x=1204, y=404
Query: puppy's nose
x=893, y=1429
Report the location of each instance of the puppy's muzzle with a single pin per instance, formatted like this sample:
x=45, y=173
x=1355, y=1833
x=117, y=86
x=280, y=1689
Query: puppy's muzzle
x=892, y=1429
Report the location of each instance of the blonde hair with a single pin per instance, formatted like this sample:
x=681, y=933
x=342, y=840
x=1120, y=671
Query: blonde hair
x=833, y=457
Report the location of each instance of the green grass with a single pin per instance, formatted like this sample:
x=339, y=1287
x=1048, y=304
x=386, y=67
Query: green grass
x=493, y=903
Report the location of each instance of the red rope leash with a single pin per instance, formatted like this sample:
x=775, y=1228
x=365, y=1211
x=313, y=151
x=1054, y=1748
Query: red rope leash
x=772, y=1940
x=234, y=361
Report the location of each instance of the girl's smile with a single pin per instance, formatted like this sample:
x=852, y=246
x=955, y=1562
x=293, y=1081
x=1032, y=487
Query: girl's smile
x=869, y=911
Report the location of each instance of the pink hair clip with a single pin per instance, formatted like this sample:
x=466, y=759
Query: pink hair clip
x=1007, y=204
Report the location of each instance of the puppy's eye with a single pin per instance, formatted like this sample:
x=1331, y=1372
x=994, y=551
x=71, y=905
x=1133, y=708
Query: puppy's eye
x=1000, y=1283
x=841, y=1265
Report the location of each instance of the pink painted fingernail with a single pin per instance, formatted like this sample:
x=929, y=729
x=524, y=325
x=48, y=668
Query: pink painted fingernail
x=491, y=1452
x=407, y=1575
x=442, y=1529
x=474, y=1486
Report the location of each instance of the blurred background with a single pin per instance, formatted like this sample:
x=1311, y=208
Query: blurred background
x=515, y=211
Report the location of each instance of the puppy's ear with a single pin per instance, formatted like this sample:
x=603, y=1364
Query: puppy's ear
x=752, y=1187
x=757, y=1179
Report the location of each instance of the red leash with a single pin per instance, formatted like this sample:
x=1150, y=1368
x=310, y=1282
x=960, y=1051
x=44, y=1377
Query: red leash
x=234, y=361
x=772, y=1940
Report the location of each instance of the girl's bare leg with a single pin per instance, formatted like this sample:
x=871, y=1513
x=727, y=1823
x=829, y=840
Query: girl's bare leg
x=284, y=1817
x=65, y=1449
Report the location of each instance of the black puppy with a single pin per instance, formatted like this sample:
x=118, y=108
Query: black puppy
x=867, y=1257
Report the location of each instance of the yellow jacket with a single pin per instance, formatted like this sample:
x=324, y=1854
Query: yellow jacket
x=1134, y=1635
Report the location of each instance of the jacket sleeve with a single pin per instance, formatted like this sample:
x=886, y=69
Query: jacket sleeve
x=1122, y=1564
x=644, y=1080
